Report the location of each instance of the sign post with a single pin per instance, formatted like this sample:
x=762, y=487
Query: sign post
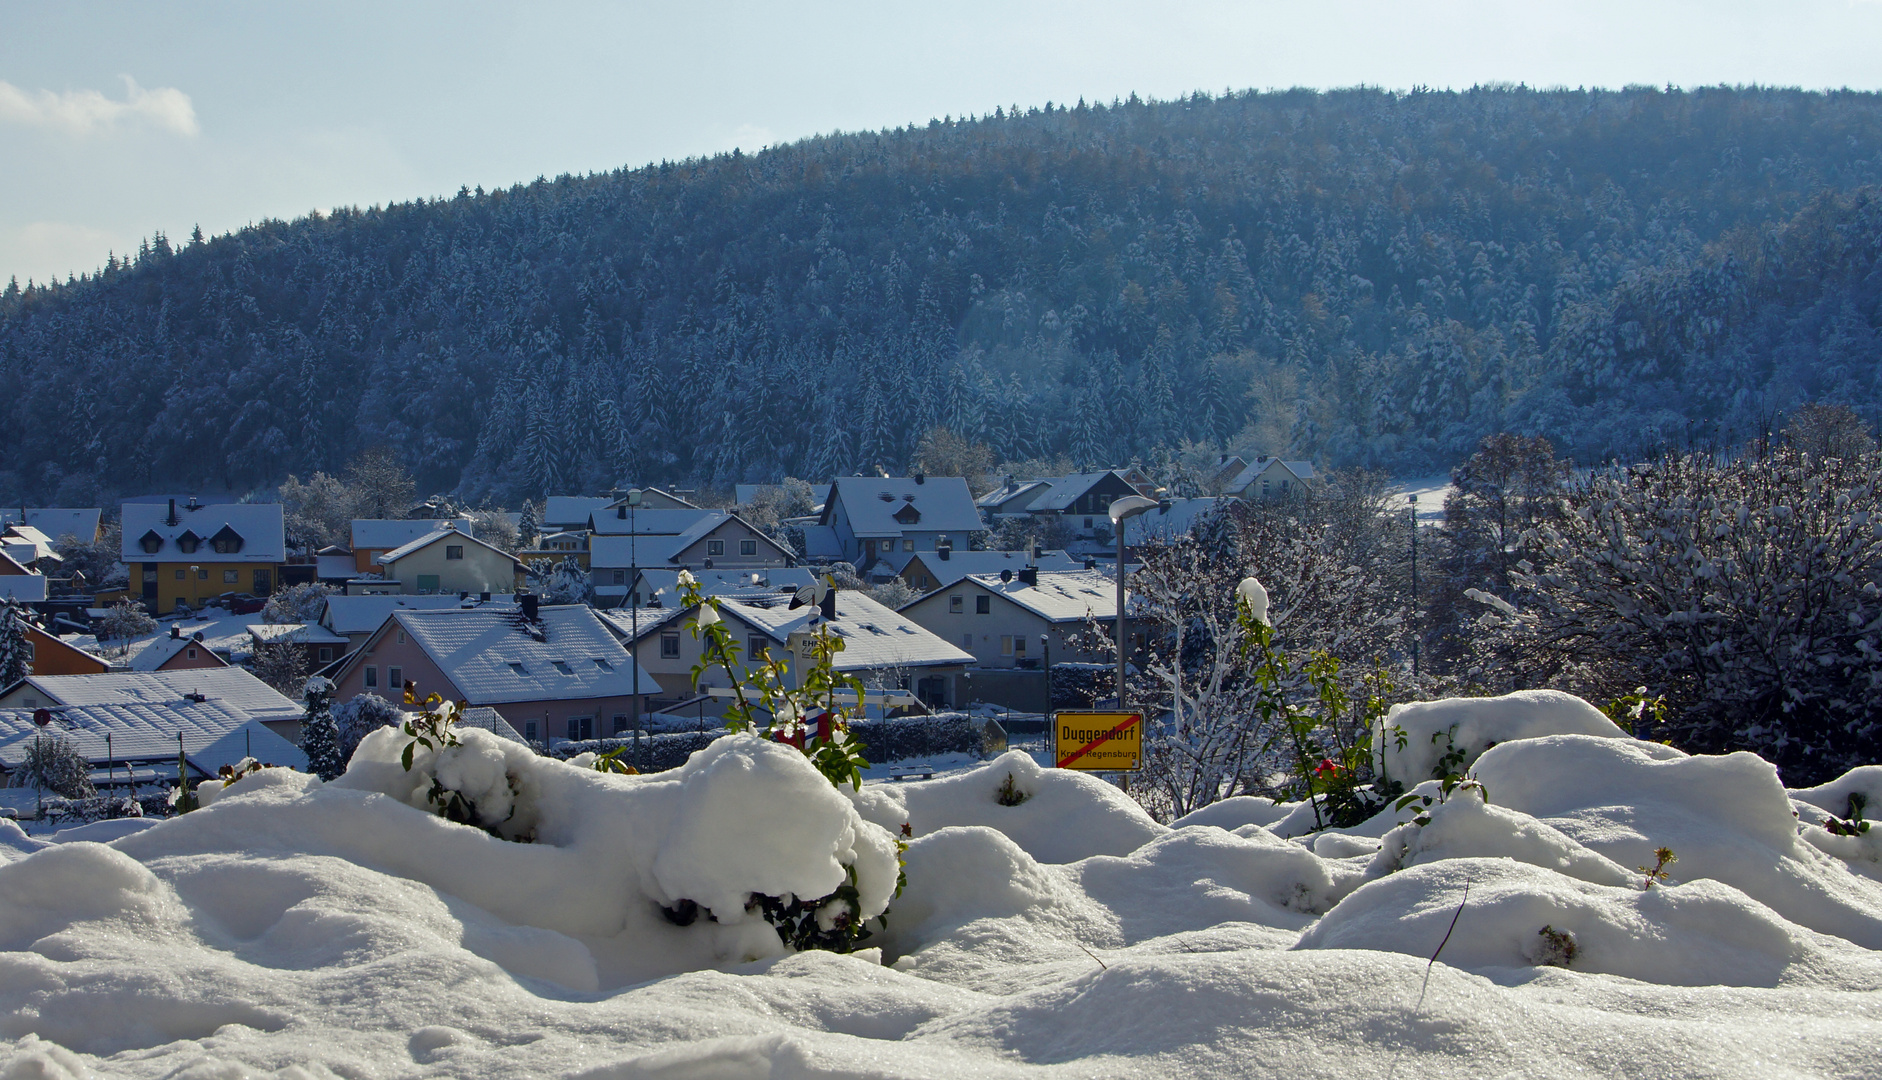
x=1100, y=741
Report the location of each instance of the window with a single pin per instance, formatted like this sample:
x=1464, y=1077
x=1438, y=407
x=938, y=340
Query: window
x=748, y=547
x=562, y=667
x=225, y=546
x=620, y=723
x=401, y=637
x=262, y=583
x=151, y=543
x=983, y=605
x=179, y=573
x=954, y=605
x=755, y=646
x=620, y=577
x=715, y=547
x=521, y=671
x=581, y=727
x=395, y=677
x=231, y=577
x=427, y=584
x=454, y=551
x=921, y=582
x=1019, y=644
x=603, y=664
x=202, y=573
x=1006, y=644
x=908, y=544
x=372, y=676
x=188, y=544
x=1087, y=523
x=326, y=654
x=670, y=645
x=529, y=730
x=192, y=655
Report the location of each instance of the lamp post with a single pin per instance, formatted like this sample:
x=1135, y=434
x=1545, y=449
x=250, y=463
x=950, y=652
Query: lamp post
x=1121, y=511
x=633, y=589
x=1045, y=654
x=1411, y=500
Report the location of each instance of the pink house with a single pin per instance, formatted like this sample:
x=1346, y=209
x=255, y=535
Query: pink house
x=178, y=652
x=552, y=672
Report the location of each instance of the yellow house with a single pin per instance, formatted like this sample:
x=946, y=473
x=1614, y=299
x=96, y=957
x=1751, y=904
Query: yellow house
x=190, y=554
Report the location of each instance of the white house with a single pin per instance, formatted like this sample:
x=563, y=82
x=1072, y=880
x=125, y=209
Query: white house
x=355, y=618
x=450, y=561
x=1268, y=478
x=85, y=524
x=872, y=517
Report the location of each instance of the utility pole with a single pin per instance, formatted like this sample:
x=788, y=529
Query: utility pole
x=1121, y=511
x=1412, y=501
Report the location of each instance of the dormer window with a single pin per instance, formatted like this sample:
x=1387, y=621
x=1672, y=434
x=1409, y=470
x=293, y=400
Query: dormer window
x=150, y=542
x=908, y=515
x=188, y=542
x=227, y=541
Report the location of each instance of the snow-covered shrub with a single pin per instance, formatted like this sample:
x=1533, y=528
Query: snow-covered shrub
x=320, y=735
x=125, y=620
x=564, y=582
x=1428, y=740
x=1748, y=591
x=53, y=763
x=299, y=603
x=360, y=716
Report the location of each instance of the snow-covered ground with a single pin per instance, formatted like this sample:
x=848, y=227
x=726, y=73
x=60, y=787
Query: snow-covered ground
x=1431, y=492
x=297, y=929
x=222, y=632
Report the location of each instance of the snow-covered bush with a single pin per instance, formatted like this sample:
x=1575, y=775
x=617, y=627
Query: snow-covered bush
x=1748, y=591
x=125, y=620
x=299, y=603
x=53, y=763
x=359, y=716
x=565, y=582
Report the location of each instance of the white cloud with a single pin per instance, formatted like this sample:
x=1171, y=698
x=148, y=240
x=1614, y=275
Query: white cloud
x=83, y=112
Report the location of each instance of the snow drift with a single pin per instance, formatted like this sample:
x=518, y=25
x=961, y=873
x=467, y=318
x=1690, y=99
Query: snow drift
x=295, y=928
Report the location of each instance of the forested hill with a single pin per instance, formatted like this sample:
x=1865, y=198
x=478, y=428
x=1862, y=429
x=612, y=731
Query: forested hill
x=1361, y=277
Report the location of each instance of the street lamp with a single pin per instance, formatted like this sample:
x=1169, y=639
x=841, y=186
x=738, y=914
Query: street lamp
x=1411, y=500
x=1121, y=511
x=633, y=588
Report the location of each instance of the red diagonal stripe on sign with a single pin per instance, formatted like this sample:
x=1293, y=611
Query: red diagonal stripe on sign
x=1106, y=737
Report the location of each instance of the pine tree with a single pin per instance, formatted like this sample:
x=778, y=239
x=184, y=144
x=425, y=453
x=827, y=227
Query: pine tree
x=527, y=527
x=320, y=735
x=15, y=650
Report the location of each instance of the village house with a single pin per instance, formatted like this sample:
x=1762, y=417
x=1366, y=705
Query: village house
x=135, y=742
x=30, y=548
x=50, y=655
x=553, y=672
x=706, y=539
x=319, y=645
x=1167, y=523
x=176, y=652
x=1269, y=478
x=185, y=556
x=1083, y=501
x=872, y=517
x=1012, y=499
x=927, y=571
x=83, y=524
x=450, y=561
x=357, y=618
x=20, y=582
x=373, y=537
x=230, y=689
x=883, y=649
x=1002, y=618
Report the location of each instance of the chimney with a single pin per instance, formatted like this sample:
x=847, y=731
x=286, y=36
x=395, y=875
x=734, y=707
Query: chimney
x=620, y=512
x=193, y=505
x=944, y=551
x=1029, y=576
x=176, y=632
x=1091, y=564
x=483, y=597
x=920, y=479
x=532, y=609
x=171, y=520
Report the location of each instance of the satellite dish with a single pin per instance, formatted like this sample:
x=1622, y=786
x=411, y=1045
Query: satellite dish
x=42, y=717
x=1006, y=576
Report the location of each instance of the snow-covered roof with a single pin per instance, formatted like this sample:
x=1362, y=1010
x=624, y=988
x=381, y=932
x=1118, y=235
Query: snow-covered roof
x=1060, y=596
x=1014, y=497
x=873, y=636
x=616, y=552
x=1066, y=490
x=233, y=687
x=653, y=522
x=431, y=538
x=57, y=521
x=364, y=614
x=382, y=534
x=214, y=734
x=1302, y=470
x=821, y=543
x=631, y=624
x=258, y=525
x=491, y=655
x=335, y=567
x=960, y=564
x=27, y=544
x=1161, y=524
x=298, y=633
x=720, y=582
x=158, y=651
x=18, y=582
x=570, y=511
x=890, y=505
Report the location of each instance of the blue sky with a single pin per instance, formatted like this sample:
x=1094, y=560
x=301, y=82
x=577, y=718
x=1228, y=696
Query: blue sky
x=118, y=120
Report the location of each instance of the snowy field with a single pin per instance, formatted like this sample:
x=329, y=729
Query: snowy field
x=297, y=929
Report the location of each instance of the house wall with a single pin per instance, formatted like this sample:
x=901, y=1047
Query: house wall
x=730, y=534
x=982, y=634
x=675, y=674
x=54, y=657
x=199, y=582
x=481, y=570
x=191, y=657
x=549, y=717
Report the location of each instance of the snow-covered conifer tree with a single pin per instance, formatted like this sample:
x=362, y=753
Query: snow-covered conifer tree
x=320, y=735
x=16, y=660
